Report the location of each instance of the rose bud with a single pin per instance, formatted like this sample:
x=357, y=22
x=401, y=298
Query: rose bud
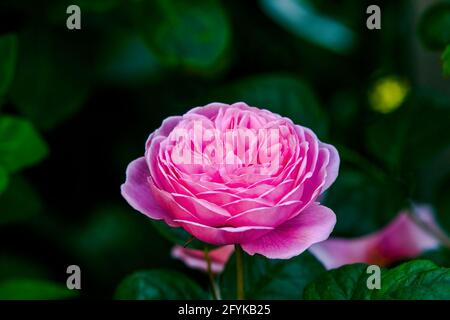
x=196, y=259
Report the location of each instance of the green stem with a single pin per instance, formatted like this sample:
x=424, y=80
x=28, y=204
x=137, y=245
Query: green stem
x=239, y=273
x=214, y=288
x=188, y=242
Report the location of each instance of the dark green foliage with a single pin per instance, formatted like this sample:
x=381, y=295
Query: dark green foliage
x=158, y=285
x=446, y=61
x=272, y=279
x=31, y=289
x=77, y=105
x=434, y=26
x=416, y=280
x=8, y=56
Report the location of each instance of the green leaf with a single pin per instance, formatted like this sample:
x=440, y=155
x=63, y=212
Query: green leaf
x=279, y=93
x=3, y=179
x=434, y=26
x=345, y=283
x=53, y=76
x=300, y=18
x=33, y=289
x=414, y=280
x=8, y=56
x=271, y=278
x=446, y=61
x=21, y=146
x=13, y=208
x=194, y=36
x=158, y=285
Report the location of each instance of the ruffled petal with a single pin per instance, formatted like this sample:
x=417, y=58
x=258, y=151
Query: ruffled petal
x=138, y=194
x=312, y=225
x=225, y=235
x=332, y=167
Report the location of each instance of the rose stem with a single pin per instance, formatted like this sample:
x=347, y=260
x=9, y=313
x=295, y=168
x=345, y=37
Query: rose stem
x=214, y=288
x=188, y=242
x=239, y=273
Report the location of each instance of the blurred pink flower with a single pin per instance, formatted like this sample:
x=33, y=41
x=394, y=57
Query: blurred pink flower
x=234, y=174
x=401, y=239
x=195, y=259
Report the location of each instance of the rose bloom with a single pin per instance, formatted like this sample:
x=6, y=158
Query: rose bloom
x=196, y=259
x=401, y=239
x=234, y=174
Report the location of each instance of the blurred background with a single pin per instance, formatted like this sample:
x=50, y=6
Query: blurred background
x=76, y=106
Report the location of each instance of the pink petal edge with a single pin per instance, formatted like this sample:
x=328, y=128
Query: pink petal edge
x=312, y=225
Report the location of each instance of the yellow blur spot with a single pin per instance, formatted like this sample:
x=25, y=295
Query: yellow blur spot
x=388, y=94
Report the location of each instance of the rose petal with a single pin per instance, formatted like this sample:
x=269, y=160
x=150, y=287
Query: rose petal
x=401, y=239
x=166, y=127
x=266, y=216
x=225, y=235
x=220, y=197
x=239, y=206
x=195, y=259
x=334, y=253
x=312, y=225
x=332, y=167
x=137, y=192
x=188, y=208
x=210, y=110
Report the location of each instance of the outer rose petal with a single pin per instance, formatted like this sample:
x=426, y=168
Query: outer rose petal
x=312, y=225
x=401, y=239
x=210, y=110
x=138, y=194
x=225, y=235
x=334, y=253
x=166, y=127
x=195, y=259
x=332, y=167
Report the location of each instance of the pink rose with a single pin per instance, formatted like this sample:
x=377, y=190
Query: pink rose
x=195, y=259
x=401, y=239
x=234, y=174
